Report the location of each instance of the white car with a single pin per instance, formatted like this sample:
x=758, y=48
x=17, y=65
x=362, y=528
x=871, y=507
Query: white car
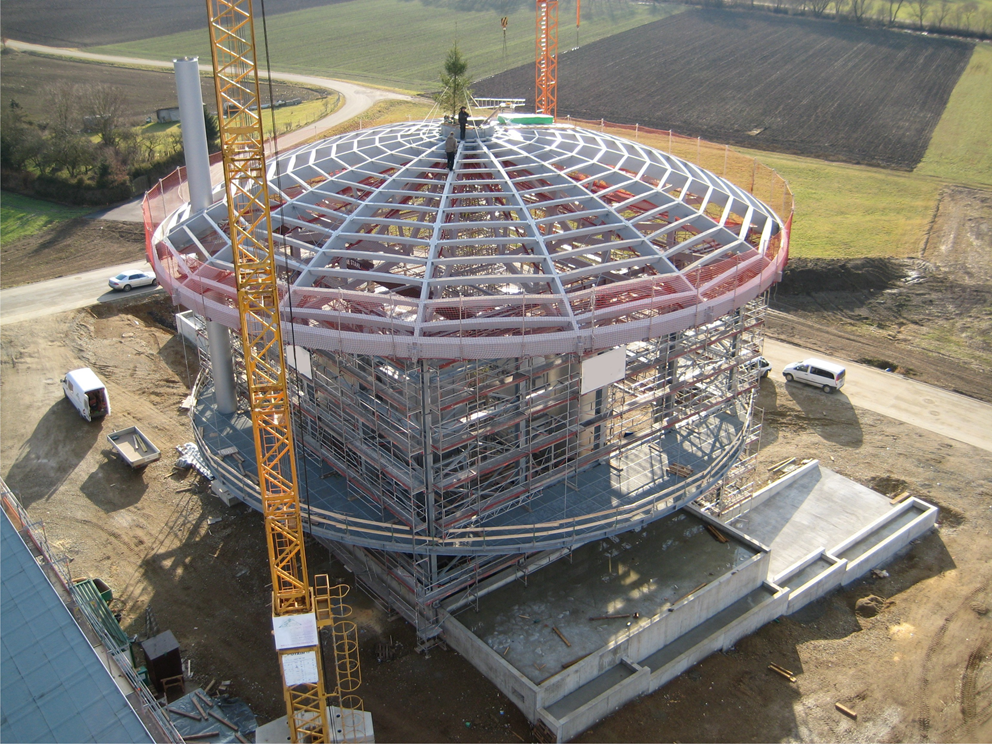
x=128, y=280
x=825, y=375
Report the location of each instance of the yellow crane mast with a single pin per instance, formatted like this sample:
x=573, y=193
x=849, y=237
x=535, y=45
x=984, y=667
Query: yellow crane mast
x=298, y=611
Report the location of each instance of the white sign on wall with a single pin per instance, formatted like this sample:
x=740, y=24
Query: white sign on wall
x=599, y=371
x=295, y=631
x=299, y=359
x=300, y=668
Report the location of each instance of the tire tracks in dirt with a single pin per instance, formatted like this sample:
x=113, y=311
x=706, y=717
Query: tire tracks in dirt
x=970, y=673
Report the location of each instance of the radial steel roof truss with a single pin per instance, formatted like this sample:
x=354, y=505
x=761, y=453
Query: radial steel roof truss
x=375, y=235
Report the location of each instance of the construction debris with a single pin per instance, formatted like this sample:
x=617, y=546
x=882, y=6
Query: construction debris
x=683, y=471
x=561, y=635
x=190, y=457
x=846, y=711
x=780, y=465
x=720, y=537
x=782, y=671
x=633, y=615
x=899, y=498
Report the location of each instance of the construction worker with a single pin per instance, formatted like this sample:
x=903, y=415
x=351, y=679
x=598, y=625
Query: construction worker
x=450, y=147
x=463, y=121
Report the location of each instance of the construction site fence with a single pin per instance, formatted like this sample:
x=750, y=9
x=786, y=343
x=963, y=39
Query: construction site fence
x=150, y=710
x=742, y=170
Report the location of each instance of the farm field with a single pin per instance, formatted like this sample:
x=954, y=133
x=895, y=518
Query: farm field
x=961, y=147
x=345, y=40
x=772, y=82
x=26, y=76
x=56, y=23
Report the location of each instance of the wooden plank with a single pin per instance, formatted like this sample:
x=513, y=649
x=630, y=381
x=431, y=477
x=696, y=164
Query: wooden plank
x=561, y=635
x=205, y=698
x=199, y=708
x=716, y=533
x=899, y=498
x=223, y=720
x=201, y=735
x=183, y=713
x=846, y=711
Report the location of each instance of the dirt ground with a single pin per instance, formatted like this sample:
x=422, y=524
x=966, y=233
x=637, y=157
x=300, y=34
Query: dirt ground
x=916, y=669
x=44, y=256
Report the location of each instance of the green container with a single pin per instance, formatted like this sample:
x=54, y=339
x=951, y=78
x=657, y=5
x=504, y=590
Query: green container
x=530, y=119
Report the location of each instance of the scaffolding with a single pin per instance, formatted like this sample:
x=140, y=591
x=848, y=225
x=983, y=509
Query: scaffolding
x=555, y=344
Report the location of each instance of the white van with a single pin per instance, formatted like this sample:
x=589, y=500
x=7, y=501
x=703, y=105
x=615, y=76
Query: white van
x=85, y=391
x=825, y=375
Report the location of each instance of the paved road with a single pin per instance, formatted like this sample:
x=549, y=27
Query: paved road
x=357, y=98
x=940, y=411
x=66, y=293
x=934, y=409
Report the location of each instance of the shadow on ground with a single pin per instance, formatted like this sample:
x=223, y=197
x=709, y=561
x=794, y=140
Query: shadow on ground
x=57, y=445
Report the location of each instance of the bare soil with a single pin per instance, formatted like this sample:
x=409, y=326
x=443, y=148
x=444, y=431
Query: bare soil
x=918, y=670
x=774, y=82
x=56, y=23
x=70, y=247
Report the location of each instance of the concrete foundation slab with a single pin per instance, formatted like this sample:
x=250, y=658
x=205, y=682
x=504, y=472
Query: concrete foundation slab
x=819, y=509
x=692, y=595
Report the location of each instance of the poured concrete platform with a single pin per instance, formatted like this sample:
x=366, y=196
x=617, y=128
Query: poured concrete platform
x=808, y=534
x=812, y=508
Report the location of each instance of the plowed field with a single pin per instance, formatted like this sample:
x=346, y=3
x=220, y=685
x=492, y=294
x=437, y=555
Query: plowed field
x=819, y=88
x=56, y=23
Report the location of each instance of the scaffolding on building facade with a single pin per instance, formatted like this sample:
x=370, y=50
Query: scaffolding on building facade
x=557, y=343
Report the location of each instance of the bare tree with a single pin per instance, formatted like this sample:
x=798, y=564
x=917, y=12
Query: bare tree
x=861, y=9
x=894, y=7
x=106, y=105
x=74, y=154
x=64, y=103
x=839, y=8
x=920, y=10
x=941, y=13
x=818, y=7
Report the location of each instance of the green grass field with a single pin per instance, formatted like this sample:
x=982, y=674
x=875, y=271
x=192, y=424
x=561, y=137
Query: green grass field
x=960, y=150
x=21, y=216
x=850, y=211
x=355, y=41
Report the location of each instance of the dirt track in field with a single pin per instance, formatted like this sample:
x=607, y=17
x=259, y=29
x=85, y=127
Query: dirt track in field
x=817, y=88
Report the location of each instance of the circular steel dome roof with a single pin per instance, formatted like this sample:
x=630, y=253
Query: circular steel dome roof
x=543, y=240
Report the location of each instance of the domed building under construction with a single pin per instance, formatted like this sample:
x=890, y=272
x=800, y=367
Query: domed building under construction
x=553, y=346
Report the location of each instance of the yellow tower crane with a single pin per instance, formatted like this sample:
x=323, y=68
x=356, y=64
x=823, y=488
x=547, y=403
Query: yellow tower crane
x=298, y=610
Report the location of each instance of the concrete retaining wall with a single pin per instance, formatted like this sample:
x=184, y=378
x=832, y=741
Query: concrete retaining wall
x=725, y=637
x=521, y=691
x=768, y=491
x=823, y=583
x=601, y=706
x=892, y=544
x=669, y=624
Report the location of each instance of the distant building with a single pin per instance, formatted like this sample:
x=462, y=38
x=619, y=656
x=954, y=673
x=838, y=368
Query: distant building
x=165, y=115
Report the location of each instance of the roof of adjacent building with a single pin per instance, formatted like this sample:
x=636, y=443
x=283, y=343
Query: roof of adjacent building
x=53, y=687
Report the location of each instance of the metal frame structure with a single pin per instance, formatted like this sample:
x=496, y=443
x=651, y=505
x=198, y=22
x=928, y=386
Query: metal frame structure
x=447, y=333
x=546, y=58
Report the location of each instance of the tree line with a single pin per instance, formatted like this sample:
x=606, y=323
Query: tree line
x=957, y=17
x=87, y=148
